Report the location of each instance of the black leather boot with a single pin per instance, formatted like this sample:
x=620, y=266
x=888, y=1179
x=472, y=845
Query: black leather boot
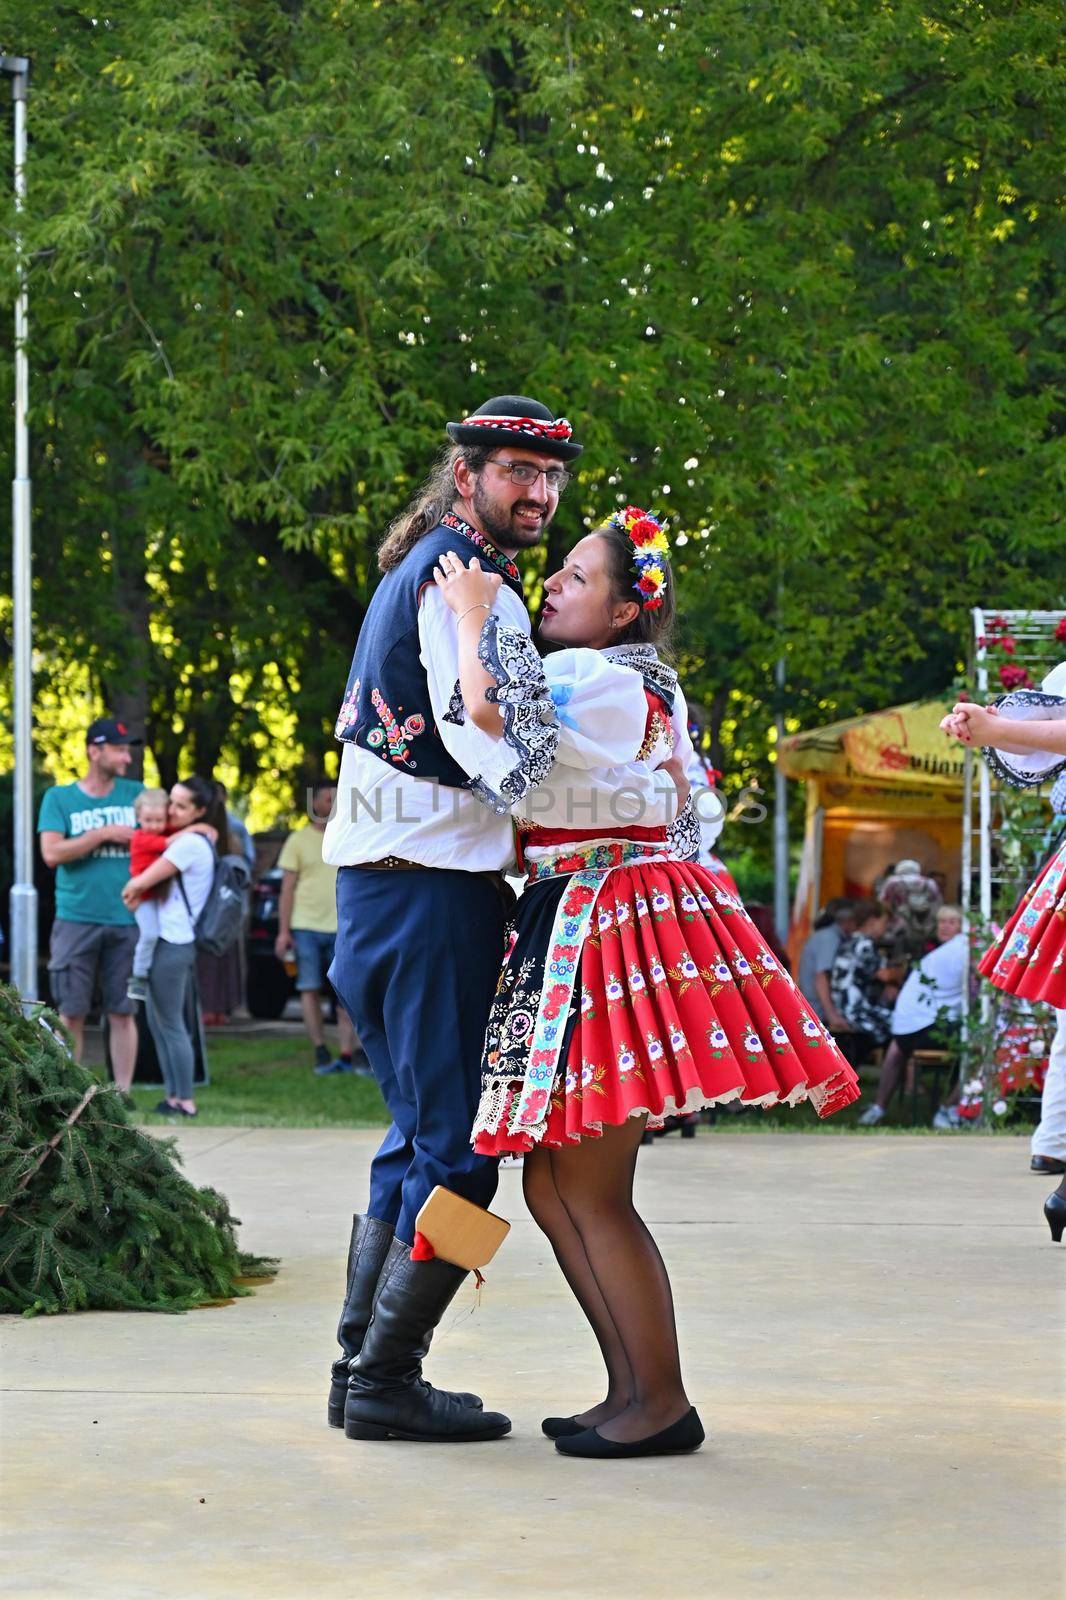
x=388, y=1398
x=369, y=1246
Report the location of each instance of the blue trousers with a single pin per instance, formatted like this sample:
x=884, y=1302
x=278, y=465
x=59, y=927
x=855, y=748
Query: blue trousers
x=417, y=960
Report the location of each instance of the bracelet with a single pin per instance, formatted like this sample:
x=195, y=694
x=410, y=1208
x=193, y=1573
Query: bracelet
x=478, y=605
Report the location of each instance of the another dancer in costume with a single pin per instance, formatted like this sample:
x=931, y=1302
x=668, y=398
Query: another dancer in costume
x=1024, y=739
x=420, y=900
x=636, y=986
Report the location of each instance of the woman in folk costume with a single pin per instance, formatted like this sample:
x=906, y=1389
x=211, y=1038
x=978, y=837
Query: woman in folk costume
x=636, y=986
x=1024, y=738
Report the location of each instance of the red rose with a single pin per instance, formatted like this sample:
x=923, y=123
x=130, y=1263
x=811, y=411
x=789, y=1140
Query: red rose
x=1012, y=676
x=1007, y=644
x=963, y=694
x=647, y=585
x=1060, y=630
x=632, y=511
x=643, y=530
x=998, y=625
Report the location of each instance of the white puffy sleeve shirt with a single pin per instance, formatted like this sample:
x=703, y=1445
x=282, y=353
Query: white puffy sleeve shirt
x=577, y=751
x=570, y=757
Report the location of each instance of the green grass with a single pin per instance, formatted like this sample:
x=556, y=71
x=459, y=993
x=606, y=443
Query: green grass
x=266, y=1081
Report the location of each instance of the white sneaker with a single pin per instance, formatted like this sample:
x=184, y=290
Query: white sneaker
x=872, y=1116
x=947, y=1118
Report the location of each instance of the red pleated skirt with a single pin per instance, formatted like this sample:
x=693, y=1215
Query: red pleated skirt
x=680, y=1004
x=1029, y=957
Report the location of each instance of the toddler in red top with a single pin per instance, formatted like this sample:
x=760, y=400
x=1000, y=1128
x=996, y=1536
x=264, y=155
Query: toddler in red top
x=149, y=841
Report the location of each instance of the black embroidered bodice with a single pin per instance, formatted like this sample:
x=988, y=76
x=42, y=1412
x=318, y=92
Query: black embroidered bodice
x=386, y=707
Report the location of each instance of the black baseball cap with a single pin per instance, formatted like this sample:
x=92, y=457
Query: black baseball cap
x=105, y=730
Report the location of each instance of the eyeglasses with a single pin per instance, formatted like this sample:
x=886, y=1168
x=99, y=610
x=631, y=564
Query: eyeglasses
x=526, y=474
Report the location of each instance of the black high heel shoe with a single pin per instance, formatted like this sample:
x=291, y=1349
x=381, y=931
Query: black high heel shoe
x=680, y=1438
x=1055, y=1212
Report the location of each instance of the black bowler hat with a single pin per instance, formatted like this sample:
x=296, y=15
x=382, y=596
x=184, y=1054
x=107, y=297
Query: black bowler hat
x=105, y=730
x=516, y=419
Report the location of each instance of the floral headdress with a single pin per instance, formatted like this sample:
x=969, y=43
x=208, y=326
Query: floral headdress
x=648, y=538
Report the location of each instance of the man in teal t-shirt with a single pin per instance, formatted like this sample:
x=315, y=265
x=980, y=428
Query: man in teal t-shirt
x=85, y=830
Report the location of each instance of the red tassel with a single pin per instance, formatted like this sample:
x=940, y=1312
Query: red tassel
x=422, y=1250
x=480, y=1276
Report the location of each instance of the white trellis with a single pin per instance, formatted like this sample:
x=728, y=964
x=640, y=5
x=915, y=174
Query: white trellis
x=1039, y=650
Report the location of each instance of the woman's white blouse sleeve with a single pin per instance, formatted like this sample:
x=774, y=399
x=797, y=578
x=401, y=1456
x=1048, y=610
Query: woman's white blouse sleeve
x=601, y=708
x=1026, y=770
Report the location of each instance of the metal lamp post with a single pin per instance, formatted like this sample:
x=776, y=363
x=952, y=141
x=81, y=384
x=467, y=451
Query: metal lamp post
x=23, y=904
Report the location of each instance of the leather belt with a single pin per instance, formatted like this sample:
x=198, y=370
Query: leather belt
x=392, y=864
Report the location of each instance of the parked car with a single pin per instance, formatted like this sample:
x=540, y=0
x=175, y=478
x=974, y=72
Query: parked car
x=269, y=986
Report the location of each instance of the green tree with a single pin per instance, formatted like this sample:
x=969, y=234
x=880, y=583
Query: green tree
x=790, y=270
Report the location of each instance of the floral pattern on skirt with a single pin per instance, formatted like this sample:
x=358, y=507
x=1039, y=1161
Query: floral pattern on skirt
x=679, y=1005
x=1029, y=957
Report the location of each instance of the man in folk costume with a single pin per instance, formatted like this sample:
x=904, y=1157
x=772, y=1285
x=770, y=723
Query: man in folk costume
x=421, y=904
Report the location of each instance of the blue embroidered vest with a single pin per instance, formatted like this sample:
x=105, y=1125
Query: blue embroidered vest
x=386, y=707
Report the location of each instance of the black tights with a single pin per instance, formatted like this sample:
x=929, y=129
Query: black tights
x=582, y=1199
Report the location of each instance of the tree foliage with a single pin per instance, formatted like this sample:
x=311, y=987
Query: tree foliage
x=94, y=1214
x=790, y=270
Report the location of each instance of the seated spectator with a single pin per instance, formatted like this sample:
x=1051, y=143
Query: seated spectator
x=912, y=899
x=857, y=982
x=929, y=1004
x=835, y=923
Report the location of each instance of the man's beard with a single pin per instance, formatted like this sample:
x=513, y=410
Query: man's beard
x=501, y=527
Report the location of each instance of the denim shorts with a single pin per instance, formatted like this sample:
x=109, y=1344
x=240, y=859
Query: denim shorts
x=314, y=953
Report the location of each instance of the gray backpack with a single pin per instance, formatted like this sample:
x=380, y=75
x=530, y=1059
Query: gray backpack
x=219, y=923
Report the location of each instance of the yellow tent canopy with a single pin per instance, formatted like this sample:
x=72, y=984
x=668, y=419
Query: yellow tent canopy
x=900, y=747
x=879, y=787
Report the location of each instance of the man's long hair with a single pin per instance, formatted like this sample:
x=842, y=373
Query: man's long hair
x=436, y=496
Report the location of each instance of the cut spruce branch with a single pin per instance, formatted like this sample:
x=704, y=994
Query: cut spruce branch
x=94, y=1213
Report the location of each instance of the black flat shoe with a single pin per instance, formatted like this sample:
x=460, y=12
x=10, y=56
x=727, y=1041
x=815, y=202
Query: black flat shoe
x=165, y=1109
x=679, y=1438
x=1055, y=1212
x=1048, y=1166
x=561, y=1427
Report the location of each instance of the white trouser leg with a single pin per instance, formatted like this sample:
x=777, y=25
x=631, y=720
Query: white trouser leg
x=1049, y=1137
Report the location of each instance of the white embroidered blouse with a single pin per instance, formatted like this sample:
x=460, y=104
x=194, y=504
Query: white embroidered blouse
x=572, y=760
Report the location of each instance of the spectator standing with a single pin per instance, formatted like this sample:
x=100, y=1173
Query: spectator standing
x=930, y=998
x=913, y=900
x=836, y=923
x=187, y=869
x=857, y=981
x=85, y=830
x=307, y=923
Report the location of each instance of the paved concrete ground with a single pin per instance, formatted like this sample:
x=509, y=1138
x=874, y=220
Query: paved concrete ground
x=872, y=1330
